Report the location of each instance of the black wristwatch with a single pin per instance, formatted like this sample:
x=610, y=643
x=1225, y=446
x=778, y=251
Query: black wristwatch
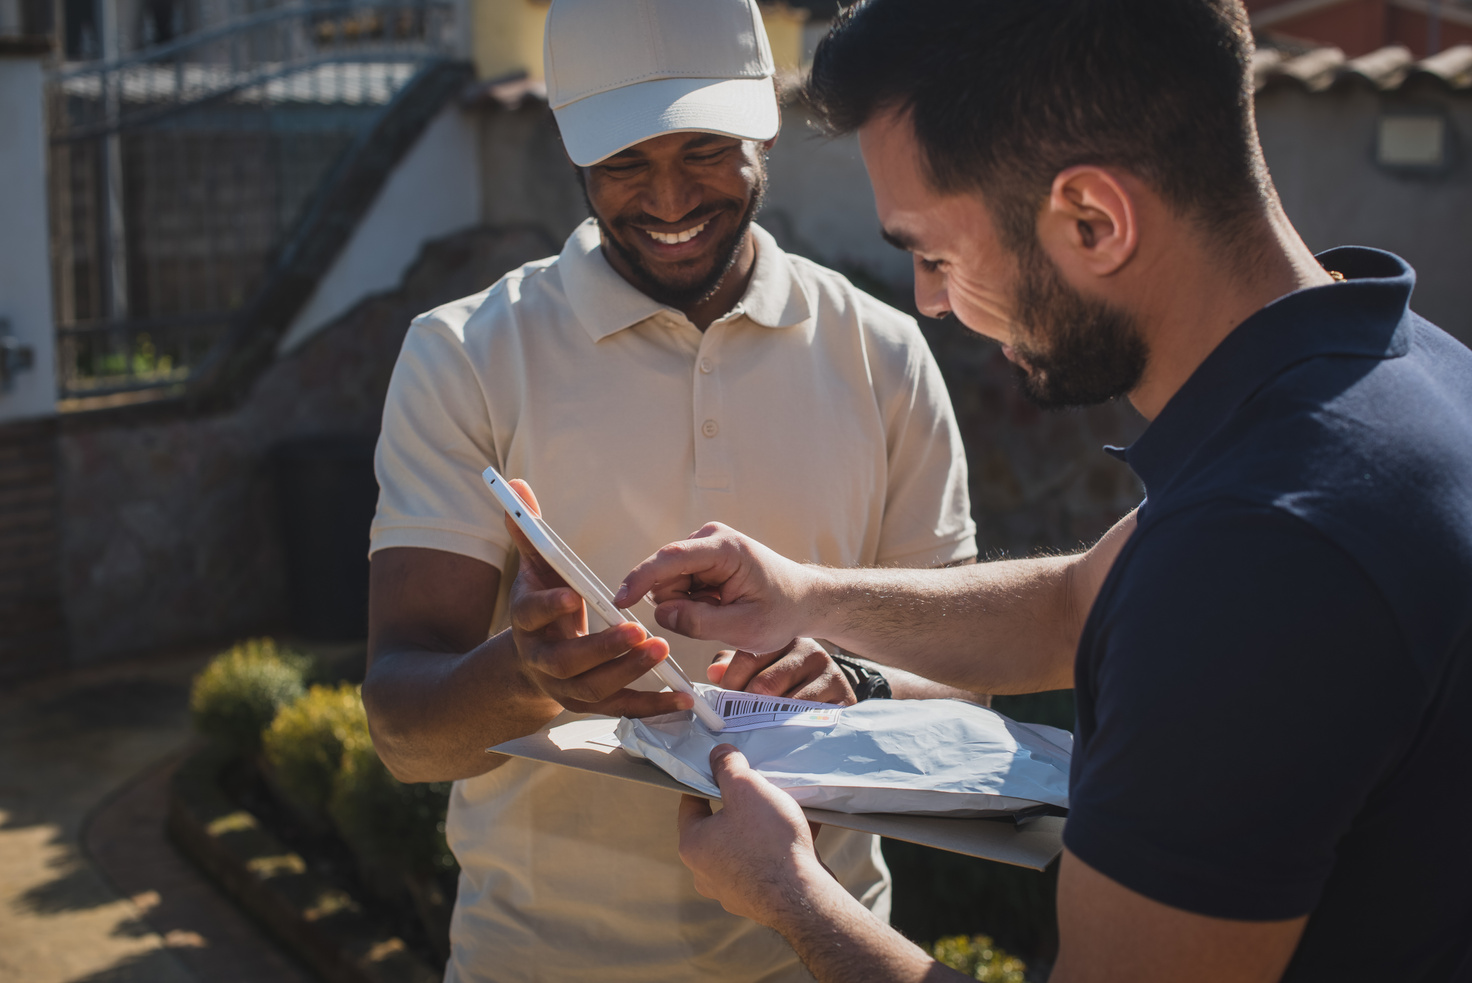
x=866, y=682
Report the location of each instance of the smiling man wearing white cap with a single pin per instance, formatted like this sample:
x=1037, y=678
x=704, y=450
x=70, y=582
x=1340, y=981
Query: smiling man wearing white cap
x=671, y=364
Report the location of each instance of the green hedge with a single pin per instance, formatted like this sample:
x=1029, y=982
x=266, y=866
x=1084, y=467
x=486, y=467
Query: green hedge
x=979, y=958
x=304, y=744
x=386, y=822
x=321, y=758
x=238, y=694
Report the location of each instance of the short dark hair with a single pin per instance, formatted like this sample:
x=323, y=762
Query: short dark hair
x=1005, y=94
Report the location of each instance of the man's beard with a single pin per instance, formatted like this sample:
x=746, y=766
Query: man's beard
x=681, y=296
x=1077, y=351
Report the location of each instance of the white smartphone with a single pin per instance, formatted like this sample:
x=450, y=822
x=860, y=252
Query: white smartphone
x=581, y=579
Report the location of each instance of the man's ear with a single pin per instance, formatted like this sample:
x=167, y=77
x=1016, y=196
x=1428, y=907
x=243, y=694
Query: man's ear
x=1090, y=222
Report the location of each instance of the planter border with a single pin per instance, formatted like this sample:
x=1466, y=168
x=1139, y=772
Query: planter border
x=322, y=925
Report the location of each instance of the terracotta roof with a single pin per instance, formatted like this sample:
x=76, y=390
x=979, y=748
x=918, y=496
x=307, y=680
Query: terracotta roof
x=1387, y=69
x=1314, y=70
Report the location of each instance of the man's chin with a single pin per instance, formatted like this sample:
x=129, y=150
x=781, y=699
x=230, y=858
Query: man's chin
x=681, y=292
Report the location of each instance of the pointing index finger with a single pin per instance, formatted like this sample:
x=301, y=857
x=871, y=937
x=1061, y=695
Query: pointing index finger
x=674, y=569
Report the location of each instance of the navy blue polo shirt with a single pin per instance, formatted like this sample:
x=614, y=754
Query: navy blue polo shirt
x=1274, y=685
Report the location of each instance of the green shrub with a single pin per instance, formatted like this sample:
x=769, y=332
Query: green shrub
x=389, y=825
x=979, y=958
x=238, y=694
x=304, y=744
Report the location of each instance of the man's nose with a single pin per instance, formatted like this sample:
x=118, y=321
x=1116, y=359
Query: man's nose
x=931, y=298
x=670, y=196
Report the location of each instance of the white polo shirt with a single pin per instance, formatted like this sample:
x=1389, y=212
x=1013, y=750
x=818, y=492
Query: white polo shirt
x=811, y=417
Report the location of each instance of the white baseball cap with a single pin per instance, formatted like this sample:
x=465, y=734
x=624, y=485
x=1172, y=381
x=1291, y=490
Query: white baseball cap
x=622, y=71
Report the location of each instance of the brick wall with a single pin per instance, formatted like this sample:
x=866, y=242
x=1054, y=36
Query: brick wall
x=32, y=626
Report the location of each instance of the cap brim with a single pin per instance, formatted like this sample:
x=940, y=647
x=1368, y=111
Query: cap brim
x=601, y=125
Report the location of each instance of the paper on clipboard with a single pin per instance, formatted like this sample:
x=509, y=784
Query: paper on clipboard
x=589, y=744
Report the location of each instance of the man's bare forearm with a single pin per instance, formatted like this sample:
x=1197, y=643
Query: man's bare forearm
x=433, y=714
x=908, y=686
x=1009, y=626
x=841, y=941
x=1001, y=627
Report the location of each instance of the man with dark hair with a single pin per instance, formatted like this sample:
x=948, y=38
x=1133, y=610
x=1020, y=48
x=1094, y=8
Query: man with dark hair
x=1272, y=656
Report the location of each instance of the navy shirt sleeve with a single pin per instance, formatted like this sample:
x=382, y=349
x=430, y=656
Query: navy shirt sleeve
x=1245, y=693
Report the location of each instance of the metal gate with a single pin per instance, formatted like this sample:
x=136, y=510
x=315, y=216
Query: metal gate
x=179, y=170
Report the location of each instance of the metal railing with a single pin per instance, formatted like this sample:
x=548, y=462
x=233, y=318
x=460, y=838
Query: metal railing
x=179, y=171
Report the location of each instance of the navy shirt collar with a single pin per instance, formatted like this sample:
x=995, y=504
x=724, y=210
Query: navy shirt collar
x=1364, y=315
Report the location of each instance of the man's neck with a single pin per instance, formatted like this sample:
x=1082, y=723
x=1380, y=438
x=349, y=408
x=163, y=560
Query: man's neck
x=1192, y=298
x=732, y=289
x=700, y=313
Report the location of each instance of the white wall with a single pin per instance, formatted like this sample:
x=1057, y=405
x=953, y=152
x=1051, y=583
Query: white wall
x=25, y=271
x=1320, y=148
x=9, y=17
x=433, y=192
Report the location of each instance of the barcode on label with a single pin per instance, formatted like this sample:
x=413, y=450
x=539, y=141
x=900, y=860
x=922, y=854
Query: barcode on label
x=752, y=713
x=741, y=707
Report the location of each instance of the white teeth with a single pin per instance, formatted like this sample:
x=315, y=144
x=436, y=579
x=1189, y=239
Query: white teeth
x=674, y=238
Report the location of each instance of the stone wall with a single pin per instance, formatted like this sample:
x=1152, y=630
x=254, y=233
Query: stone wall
x=170, y=531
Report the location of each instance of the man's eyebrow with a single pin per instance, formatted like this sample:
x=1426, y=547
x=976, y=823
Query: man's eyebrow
x=899, y=240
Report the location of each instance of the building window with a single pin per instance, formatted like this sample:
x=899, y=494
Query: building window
x=1413, y=141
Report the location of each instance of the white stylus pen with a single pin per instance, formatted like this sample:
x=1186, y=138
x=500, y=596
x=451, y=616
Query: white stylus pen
x=581, y=579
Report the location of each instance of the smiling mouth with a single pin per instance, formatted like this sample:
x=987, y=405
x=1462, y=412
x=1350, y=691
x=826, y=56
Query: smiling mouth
x=675, y=238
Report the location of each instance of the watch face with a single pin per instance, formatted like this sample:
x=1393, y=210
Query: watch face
x=867, y=684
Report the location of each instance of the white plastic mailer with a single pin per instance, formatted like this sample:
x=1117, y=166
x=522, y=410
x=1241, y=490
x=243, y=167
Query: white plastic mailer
x=940, y=757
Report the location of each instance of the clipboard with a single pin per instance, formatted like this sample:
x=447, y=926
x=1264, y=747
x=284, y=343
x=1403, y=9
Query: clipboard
x=588, y=744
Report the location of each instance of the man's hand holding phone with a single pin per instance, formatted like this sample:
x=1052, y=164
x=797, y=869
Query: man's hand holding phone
x=586, y=673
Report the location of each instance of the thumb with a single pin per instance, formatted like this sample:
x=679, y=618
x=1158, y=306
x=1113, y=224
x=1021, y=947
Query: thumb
x=525, y=493
x=524, y=546
x=705, y=619
x=729, y=766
